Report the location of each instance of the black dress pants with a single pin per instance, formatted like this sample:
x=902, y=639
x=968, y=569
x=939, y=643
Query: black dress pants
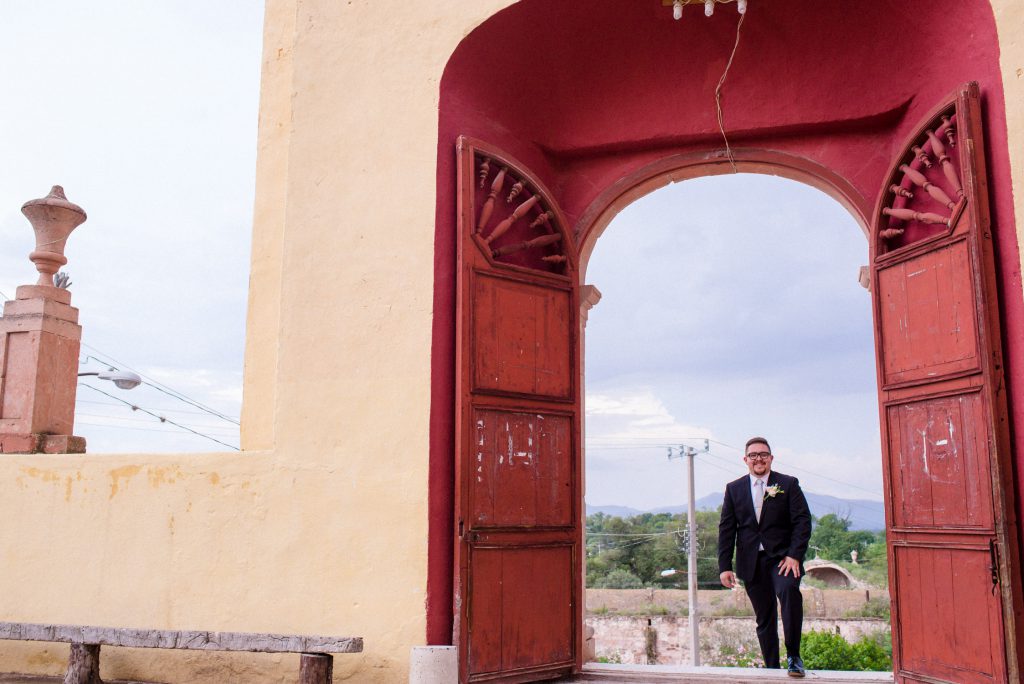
x=766, y=586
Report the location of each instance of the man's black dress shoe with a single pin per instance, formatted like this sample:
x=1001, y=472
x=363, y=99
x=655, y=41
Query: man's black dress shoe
x=796, y=667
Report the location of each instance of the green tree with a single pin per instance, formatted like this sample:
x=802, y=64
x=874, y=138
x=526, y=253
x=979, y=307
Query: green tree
x=646, y=544
x=834, y=540
x=620, y=579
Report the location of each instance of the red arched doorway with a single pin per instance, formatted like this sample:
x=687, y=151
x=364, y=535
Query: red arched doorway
x=586, y=98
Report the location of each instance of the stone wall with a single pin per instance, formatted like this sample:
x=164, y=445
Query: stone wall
x=726, y=641
x=831, y=603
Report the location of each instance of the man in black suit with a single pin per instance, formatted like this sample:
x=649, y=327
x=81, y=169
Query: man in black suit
x=766, y=520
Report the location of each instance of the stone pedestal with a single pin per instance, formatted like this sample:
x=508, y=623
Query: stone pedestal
x=434, y=665
x=39, y=344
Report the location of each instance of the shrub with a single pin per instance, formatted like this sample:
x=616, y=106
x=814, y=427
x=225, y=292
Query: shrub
x=873, y=652
x=620, y=579
x=828, y=651
x=731, y=611
x=737, y=647
x=825, y=651
x=873, y=608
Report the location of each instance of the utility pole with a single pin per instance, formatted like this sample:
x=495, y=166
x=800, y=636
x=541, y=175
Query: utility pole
x=691, y=568
x=691, y=550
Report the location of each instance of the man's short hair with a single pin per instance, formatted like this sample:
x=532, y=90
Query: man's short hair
x=757, y=440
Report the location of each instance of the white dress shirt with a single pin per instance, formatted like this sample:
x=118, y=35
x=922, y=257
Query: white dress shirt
x=754, y=494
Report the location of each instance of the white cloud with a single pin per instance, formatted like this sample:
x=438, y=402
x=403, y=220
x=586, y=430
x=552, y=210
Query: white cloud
x=724, y=319
x=632, y=415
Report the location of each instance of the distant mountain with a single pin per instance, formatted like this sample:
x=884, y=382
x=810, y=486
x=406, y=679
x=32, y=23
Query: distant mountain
x=864, y=514
x=617, y=511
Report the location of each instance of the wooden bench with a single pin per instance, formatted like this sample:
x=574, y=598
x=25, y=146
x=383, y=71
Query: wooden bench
x=315, y=667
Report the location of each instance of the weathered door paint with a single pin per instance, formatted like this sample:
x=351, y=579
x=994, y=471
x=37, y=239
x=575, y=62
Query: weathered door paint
x=949, y=497
x=518, y=578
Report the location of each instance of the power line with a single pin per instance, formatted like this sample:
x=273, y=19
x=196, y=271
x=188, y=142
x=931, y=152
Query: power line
x=809, y=472
x=166, y=410
x=211, y=428
x=170, y=391
x=126, y=427
x=162, y=419
x=671, y=442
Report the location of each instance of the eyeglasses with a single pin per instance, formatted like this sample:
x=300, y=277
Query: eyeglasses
x=759, y=456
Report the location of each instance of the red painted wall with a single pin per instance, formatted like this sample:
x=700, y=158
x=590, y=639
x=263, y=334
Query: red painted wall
x=586, y=93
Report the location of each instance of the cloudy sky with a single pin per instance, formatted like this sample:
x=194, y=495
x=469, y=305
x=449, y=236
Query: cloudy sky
x=730, y=308
x=145, y=111
x=713, y=322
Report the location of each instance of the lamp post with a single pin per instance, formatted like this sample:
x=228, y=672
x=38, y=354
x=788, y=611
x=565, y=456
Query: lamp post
x=125, y=380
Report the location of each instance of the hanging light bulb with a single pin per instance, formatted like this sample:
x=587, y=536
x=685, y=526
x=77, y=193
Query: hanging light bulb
x=741, y=5
x=677, y=10
x=709, y=7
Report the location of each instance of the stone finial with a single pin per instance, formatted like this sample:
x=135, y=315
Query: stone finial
x=53, y=218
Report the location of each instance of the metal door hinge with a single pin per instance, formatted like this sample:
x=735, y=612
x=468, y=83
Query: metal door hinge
x=993, y=553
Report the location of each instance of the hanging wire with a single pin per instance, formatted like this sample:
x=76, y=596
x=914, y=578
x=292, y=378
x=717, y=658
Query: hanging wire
x=160, y=387
x=162, y=419
x=718, y=95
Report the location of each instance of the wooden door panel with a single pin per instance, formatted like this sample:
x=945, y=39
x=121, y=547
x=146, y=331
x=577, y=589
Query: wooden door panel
x=953, y=560
x=524, y=470
x=928, y=316
x=529, y=623
x=485, y=615
x=519, y=534
x=522, y=337
x=950, y=623
x=941, y=476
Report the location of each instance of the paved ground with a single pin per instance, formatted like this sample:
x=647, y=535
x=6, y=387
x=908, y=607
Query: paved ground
x=666, y=674
x=632, y=674
x=28, y=679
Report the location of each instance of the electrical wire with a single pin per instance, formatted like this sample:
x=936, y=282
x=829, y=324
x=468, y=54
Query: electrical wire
x=718, y=94
x=166, y=389
x=810, y=472
x=126, y=427
x=165, y=410
x=162, y=419
x=666, y=443
x=209, y=428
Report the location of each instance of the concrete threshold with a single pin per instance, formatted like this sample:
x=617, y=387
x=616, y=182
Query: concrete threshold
x=679, y=674
x=15, y=678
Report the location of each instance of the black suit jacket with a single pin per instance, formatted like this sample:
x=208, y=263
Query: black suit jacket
x=784, y=530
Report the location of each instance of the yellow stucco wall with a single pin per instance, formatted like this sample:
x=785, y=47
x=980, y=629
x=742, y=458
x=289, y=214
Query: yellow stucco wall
x=321, y=525
x=1009, y=20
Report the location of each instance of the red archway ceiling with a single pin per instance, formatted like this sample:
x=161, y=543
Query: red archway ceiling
x=586, y=93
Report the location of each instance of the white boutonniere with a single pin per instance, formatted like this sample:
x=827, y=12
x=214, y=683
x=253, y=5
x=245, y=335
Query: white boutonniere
x=772, y=491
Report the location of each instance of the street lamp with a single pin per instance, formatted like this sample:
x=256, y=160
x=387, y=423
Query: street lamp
x=125, y=380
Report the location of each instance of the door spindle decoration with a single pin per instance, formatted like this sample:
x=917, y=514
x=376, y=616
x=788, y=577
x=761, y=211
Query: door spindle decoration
x=514, y=192
x=485, y=213
x=485, y=168
x=514, y=237
x=926, y=165
x=923, y=156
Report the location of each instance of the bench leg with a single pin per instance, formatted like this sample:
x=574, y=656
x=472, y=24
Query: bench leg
x=316, y=668
x=84, y=665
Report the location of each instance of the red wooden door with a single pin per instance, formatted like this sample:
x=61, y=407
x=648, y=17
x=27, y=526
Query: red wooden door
x=518, y=580
x=953, y=562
